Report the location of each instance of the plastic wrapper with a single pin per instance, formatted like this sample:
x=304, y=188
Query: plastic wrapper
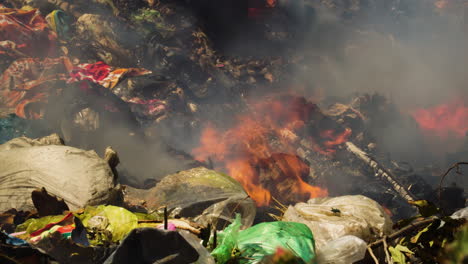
x=218, y=197
x=228, y=241
x=344, y=250
x=462, y=213
x=332, y=218
x=257, y=242
x=223, y=213
x=116, y=220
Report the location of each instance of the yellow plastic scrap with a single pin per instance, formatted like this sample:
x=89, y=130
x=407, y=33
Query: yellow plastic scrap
x=120, y=220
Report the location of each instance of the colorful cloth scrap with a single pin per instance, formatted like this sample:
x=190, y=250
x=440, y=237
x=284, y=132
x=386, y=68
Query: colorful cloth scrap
x=24, y=33
x=65, y=231
x=27, y=83
x=103, y=74
x=66, y=220
x=64, y=227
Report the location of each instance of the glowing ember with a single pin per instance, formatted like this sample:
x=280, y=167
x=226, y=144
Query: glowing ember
x=444, y=121
x=332, y=139
x=441, y=4
x=271, y=3
x=257, y=150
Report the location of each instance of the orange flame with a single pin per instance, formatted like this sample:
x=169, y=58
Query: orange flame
x=271, y=3
x=443, y=121
x=441, y=4
x=257, y=150
x=331, y=140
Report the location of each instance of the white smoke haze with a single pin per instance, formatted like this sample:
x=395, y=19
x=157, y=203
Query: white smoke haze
x=411, y=52
x=416, y=60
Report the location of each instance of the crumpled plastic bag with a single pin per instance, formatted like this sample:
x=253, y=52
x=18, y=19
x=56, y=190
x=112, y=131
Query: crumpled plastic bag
x=259, y=241
x=462, y=213
x=223, y=213
x=331, y=218
x=344, y=250
x=116, y=220
x=218, y=197
x=228, y=241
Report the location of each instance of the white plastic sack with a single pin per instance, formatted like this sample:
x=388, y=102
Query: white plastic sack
x=344, y=250
x=79, y=177
x=332, y=218
x=462, y=213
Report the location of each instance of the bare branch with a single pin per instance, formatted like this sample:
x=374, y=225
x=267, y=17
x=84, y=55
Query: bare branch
x=454, y=166
x=380, y=171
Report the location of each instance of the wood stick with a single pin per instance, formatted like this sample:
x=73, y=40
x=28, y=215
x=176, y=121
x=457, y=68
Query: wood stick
x=165, y=218
x=376, y=261
x=407, y=229
x=215, y=239
x=454, y=166
x=387, y=256
x=380, y=171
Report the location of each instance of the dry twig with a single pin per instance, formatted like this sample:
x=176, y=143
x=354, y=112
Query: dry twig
x=454, y=166
x=380, y=171
x=407, y=229
x=371, y=252
x=387, y=256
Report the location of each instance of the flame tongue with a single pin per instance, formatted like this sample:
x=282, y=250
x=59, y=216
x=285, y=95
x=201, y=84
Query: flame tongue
x=258, y=150
x=245, y=174
x=443, y=121
x=283, y=174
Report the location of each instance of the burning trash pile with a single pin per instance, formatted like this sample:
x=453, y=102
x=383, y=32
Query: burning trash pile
x=156, y=132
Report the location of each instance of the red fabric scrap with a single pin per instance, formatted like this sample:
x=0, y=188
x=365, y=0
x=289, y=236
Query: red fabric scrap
x=66, y=220
x=103, y=74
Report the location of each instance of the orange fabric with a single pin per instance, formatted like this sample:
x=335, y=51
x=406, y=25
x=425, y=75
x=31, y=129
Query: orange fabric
x=25, y=33
x=27, y=83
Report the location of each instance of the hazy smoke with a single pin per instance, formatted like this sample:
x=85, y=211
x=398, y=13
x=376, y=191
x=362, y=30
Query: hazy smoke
x=409, y=51
x=413, y=54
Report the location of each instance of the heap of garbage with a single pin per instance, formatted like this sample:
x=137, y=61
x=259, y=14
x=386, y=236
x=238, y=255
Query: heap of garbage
x=96, y=220
x=140, y=71
x=68, y=206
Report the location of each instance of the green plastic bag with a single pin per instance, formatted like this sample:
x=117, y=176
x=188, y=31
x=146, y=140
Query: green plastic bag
x=119, y=220
x=250, y=246
x=228, y=241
